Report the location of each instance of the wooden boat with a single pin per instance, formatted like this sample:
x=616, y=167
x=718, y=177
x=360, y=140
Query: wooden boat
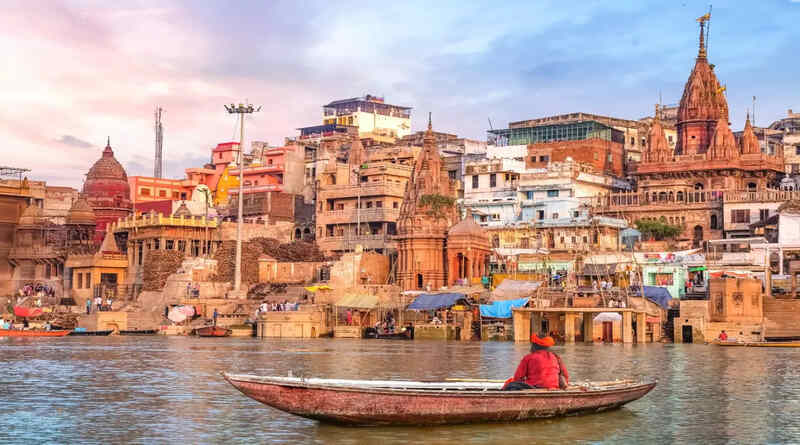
x=142, y=332
x=106, y=332
x=407, y=334
x=21, y=333
x=376, y=402
x=760, y=344
x=212, y=331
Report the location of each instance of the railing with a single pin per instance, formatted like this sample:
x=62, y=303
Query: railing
x=32, y=252
x=761, y=195
x=366, y=189
x=157, y=219
x=657, y=198
x=365, y=215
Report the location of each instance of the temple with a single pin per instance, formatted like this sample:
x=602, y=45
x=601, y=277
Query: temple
x=687, y=186
x=107, y=191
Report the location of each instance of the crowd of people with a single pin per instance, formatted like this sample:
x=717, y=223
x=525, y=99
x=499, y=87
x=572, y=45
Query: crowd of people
x=37, y=289
x=99, y=304
x=278, y=307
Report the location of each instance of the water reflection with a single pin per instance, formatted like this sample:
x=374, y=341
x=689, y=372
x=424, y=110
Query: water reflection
x=156, y=389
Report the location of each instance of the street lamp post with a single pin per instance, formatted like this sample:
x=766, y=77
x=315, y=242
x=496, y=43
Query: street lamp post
x=241, y=110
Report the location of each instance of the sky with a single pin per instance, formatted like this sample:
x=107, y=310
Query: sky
x=77, y=72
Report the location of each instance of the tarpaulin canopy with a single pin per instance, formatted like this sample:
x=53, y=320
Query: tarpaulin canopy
x=317, y=288
x=608, y=316
x=514, y=289
x=21, y=311
x=697, y=269
x=180, y=313
x=426, y=302
x=358, y=301
x=599, y=270
x=656, y=294
x=501, y=309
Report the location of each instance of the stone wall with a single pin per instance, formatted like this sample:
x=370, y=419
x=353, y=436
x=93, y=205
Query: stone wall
x=280, y=230
x=735, y=300
x=271, y=271
x=355, y=269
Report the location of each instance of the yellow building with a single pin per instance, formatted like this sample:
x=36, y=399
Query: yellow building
x=97, y=274
x=225, y=183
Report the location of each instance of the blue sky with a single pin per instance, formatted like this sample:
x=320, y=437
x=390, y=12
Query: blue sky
x=77, y=72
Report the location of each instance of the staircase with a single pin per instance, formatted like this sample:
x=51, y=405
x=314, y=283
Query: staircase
x=781, y=319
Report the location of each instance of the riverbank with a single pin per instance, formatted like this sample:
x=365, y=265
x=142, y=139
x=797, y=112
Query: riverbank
x=158, y=389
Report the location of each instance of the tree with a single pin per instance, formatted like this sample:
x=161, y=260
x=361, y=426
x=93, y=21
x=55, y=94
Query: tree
x=657, y=230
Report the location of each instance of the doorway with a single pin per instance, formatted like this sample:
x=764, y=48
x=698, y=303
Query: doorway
x=419, y=281
x=686, y=333
x=608, y=332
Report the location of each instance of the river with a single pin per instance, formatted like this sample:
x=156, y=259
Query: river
x=168, y=389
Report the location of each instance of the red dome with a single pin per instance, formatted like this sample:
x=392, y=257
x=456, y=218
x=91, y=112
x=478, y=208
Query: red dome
x=106, y=183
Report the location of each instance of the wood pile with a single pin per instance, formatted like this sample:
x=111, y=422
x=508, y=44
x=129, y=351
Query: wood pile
x=297, y=251
x=158, y=266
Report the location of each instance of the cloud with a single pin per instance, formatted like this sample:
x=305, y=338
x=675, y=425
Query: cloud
x=85, y=71
x=68, y=139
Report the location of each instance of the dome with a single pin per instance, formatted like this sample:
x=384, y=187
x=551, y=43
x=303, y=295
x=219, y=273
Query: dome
x=107, y=183
x=31, y=216
x=468, y=227
x=81, y=213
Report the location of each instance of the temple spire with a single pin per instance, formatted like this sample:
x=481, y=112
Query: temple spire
x=701, y=53
x=430, y=125
x=108, y=141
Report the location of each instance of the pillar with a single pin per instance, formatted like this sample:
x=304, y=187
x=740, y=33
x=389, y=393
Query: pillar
x=536, y=324
x=522, y=325
x=569, y=327
x=641, y=328
x=588, y=327
x=627, y=327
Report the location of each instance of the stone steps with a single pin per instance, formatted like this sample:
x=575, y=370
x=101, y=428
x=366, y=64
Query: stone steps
x=781, y=318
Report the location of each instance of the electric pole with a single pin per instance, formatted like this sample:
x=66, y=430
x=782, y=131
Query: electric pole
x=241, y=110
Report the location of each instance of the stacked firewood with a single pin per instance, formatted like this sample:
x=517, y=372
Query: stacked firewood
x=158, y=266
x=298, y=251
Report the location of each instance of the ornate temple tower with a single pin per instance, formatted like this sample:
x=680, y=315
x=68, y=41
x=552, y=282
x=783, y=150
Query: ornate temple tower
x=107, y=191
x=427, y=212
x=702, y=105
x=658, y=150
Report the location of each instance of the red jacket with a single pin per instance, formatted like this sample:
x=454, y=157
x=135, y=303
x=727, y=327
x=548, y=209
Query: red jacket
x=540, y=369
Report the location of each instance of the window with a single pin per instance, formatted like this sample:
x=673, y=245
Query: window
x=533, y=159
x=633, y=140
x=739, y=216
x=176, y=195
x=269, y=161
x=495, y=217
x=88, y=281
x=170, y=244
x=340, y=206
x=157, y=244
x=575, y=214
x=144, y=191
x=452, y=174
x=474, y=181
x=162, y=193
x=395, y=205
x=540, y=214
x=529, y=194
x=596, y=156
x=552, y=193
x=79, y=284
x=763, y=214
x=369, y=204
x=492, y=180
x=544, y=158
x=797, y=150
x=555, y=215
x=669, y=138
x=379, y=204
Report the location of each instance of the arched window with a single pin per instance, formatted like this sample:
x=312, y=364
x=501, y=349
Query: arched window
x=680, y=196
x=713, y=221
x=698, y=186
x=751, y=186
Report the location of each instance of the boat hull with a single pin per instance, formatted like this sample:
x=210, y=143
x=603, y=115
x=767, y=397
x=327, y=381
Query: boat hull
x=97, y=333
x=144, y=332
x=212, y=331
x=19, y=333
x=384, y=406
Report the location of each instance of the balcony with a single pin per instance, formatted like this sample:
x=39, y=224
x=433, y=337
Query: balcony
x=157, y=219
x=370, y=242
x=353, y=216
x=365, y=190
x=692, y=199
x=761, y=195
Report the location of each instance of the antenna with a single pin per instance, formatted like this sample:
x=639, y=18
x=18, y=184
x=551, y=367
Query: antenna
x=158, y=166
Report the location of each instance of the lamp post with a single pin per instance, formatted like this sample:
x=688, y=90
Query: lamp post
x=241, y=110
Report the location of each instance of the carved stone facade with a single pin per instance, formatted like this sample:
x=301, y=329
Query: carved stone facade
x=427, y=212
x=686, y=186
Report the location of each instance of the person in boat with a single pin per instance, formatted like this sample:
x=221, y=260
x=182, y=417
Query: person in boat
x=215, y=316
x=541, y=368
x=723, y=336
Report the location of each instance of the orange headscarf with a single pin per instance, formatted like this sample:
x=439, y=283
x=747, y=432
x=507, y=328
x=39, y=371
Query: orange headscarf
x=545, y=342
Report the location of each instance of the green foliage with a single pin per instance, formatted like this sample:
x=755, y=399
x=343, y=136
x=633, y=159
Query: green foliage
x=436, y=204
x=657, y=230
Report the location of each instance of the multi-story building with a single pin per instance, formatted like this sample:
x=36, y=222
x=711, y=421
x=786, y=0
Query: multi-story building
x=358, y=202
x=375, y=119
x=491, y=188
x=789, y=127
x=686, y=185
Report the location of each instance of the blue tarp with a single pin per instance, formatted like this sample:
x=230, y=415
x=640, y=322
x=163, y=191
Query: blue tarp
x=501, y=309
x=426, y=302
x=657, y=294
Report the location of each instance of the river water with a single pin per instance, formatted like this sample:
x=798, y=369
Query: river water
x=168, y=389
